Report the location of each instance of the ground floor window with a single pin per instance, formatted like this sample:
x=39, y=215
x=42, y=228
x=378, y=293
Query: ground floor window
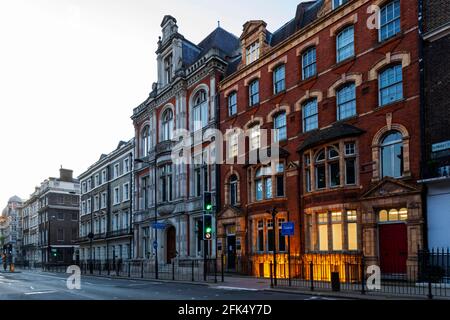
x=268, y=235
x=332, y=231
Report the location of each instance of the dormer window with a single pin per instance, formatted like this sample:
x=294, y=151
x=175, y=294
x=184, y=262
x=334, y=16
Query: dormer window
x=252, y=52
x=168, y=68
x=338, y=3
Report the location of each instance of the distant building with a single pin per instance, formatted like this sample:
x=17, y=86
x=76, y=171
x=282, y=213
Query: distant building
x=106, y=207
x=436, y=162
x=58, y=209
x=12, y=230
x=30, y=244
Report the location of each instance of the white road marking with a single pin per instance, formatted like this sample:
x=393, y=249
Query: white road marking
x=235, y=288
x=38, y=292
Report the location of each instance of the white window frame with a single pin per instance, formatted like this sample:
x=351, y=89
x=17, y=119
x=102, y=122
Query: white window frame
x=252, y=52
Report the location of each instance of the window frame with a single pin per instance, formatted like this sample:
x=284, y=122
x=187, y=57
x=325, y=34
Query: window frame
x=382, y=88
x=232, y=104
x=341, y=47
x=253, y=95
x=312, y=64
x=279, y=85
x=390, y=22
x=349, y=101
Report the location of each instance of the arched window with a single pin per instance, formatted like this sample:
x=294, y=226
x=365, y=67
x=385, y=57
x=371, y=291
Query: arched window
x=391, y=85
x=263, y=183
x=345, y=43
x=253, y=93
x=232, y=104
x=310, y=115
x=255, y=137
x=333, y=167
x=233, y=190
x=392, y=155
x=280, y=127
x=279, y=82
x=346, y=101
x=389, y=20
x=167, y=125
x=309, y=63
x=145, y=141
x=321, y=182
x=200, y=111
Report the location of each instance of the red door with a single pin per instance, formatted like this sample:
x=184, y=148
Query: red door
x=393, y=248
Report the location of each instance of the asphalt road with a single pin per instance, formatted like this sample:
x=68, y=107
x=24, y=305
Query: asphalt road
x=37, y=285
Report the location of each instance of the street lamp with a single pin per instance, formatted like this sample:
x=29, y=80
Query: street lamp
x=274, y=213
x=156, y=215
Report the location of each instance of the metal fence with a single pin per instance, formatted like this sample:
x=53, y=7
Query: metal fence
x=191, y=270
x=429, y=276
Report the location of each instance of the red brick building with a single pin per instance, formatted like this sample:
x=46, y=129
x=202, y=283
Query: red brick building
x=339, y=85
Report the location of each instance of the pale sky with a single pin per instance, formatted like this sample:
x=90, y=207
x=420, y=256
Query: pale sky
x=71, y=72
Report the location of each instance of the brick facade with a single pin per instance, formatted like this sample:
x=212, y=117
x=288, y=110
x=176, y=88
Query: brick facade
x=318, y=26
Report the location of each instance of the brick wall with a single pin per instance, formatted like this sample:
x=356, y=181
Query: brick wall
x=436, y=13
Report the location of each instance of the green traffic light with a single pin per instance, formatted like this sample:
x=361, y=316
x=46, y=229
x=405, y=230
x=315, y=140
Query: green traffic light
x=208, y=230
x=209, y=207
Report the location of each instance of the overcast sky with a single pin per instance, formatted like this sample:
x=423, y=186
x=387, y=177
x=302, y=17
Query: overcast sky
x=71, y=72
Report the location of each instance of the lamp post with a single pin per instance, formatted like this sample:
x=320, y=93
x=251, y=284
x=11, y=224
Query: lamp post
x=274, y=213
x=156, y=216
x=49, y=251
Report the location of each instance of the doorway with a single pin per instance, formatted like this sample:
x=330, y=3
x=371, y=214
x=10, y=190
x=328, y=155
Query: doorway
x=171, y=251
x=393, y=245
x=231, y=252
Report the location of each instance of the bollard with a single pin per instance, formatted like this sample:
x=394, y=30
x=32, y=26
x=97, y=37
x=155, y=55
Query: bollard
x=173, y=270
x=271, y=276
x=223, y=268
x=363, y=275
x=215, y=270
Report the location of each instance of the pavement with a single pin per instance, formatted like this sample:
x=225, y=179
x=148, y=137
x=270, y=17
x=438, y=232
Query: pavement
x=38, y=285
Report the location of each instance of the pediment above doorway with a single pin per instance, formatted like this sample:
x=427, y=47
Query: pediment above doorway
x=230, y=212
x=390, y=187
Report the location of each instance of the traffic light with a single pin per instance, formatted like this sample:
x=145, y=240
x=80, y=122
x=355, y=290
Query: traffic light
x=207, y=227
x=207, y=202
x=54, y=252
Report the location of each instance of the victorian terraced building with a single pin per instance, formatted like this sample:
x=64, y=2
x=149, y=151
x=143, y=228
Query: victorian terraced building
x=341, y=98
x=337, y=89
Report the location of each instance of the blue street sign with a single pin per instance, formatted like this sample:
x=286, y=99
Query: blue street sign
x=160, y=226
x=287, y=229
x=155, y=244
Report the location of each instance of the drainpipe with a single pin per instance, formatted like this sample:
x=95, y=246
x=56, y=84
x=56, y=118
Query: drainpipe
x=422, y=120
